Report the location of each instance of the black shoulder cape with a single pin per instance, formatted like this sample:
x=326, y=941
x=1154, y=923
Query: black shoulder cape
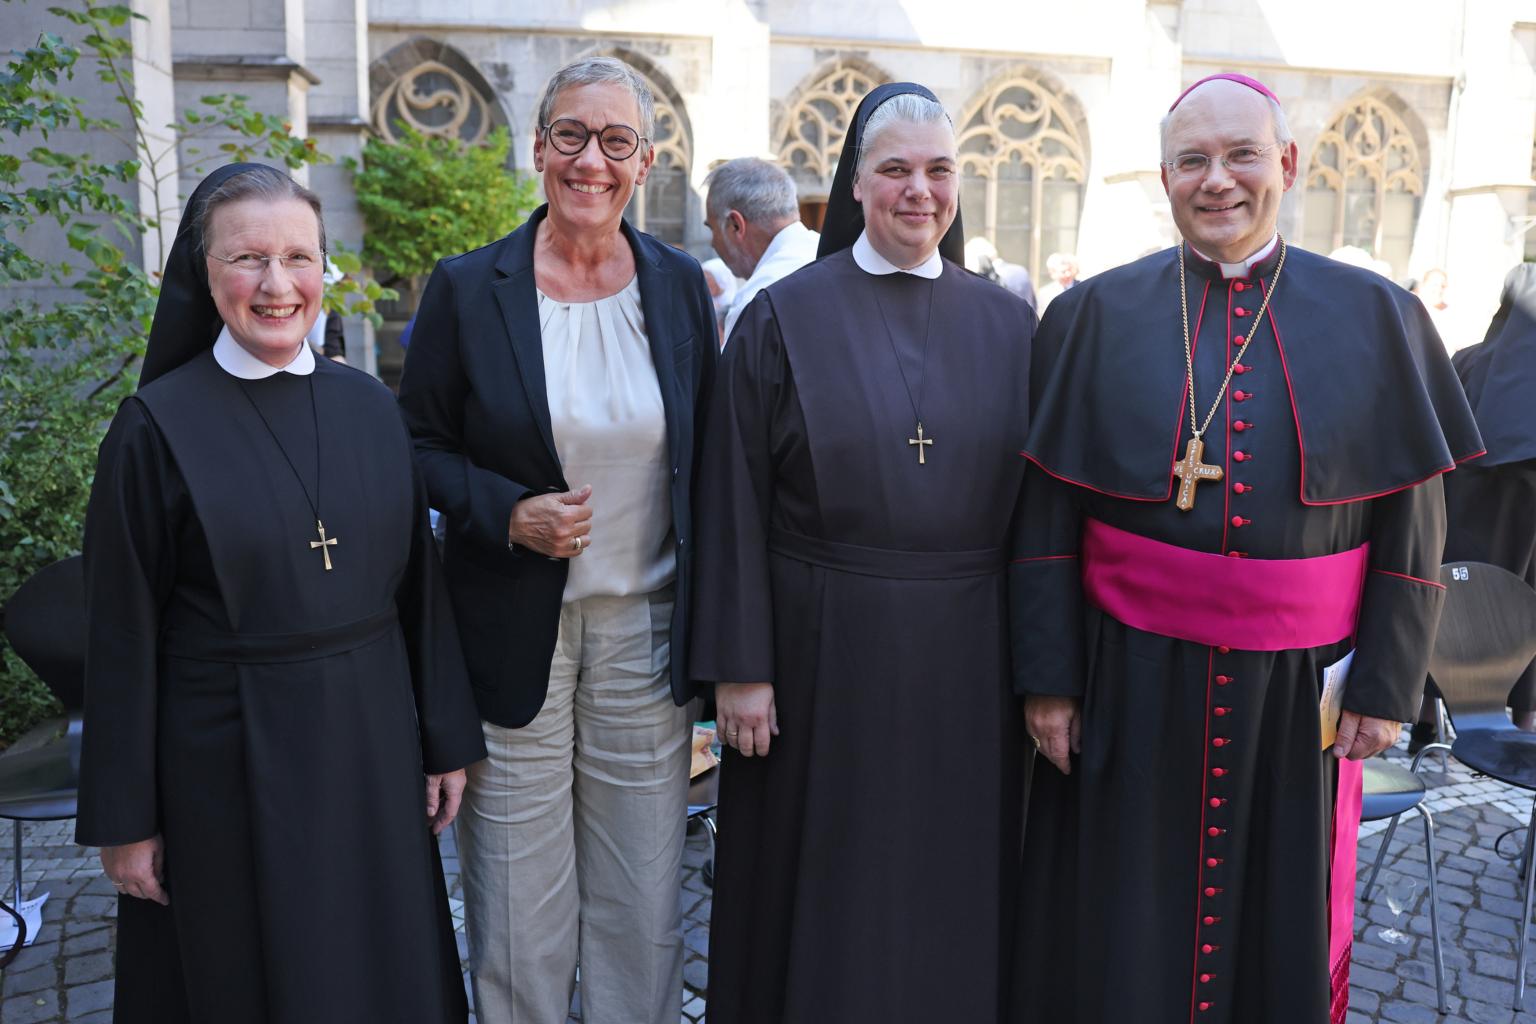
x=1377, y=405
x=1499, y=373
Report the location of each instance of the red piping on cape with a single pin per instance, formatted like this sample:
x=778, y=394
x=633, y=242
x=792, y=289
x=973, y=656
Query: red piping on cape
x=1301, y=442
x=1205, y=780
x=1043, y=558
x=1410, y=579
x=1178, y=432
x=1089, y=487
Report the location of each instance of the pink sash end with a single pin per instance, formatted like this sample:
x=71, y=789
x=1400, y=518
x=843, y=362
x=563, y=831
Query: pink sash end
x=1250, y=604
x=1341, y=888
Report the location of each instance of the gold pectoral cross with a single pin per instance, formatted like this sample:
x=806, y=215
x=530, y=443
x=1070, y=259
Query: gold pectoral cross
x=324, y=544
x=921, y=442
x=1191, y=471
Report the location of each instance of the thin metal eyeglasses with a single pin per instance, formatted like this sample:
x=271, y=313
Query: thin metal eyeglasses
x=569, y=136
x=1238, y=158
x=254, y=263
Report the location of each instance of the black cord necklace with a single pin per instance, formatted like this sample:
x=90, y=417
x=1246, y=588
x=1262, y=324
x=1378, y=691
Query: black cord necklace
x=920, y=442
x=324, y=543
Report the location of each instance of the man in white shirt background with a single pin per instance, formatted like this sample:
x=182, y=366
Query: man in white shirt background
x=753, y=218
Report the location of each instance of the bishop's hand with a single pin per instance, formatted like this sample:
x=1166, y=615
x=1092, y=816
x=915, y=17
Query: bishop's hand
x=137, y=869
x=746, y=716
x=1360, y=737
x=1056, y=725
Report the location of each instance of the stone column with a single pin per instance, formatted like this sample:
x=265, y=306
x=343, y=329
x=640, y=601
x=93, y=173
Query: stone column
x=336, y=34
x=1125, y=211
x=1492, y=125
x=251, y=47
x=25, y=20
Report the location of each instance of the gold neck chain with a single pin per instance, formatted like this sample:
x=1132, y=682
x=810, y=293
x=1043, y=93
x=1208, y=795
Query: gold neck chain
x=1189, y=352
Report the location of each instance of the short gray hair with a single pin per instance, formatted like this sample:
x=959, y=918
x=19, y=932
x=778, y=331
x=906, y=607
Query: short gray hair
x=903, y=108
x=259, y=182
x=1282, y=130
x=762, y=192
x=600, y=71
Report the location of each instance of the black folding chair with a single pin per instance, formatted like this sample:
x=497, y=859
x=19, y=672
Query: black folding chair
x=1487, y=637
x=1390, y=790
x=45, y=624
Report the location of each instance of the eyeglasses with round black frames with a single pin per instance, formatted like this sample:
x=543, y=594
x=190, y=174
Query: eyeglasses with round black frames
x=569, y=136
x=1238, y=158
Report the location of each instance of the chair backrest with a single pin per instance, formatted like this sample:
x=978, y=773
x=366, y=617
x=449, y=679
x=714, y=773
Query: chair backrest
x=1487, y=638
x=45, y=623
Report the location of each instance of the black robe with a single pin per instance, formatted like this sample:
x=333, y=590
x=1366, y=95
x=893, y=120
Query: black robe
x=866, y=865
x=1329, y=439
x=1490, y=504
x=270, y=719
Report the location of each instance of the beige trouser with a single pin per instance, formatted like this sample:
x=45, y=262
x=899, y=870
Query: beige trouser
x=571, y=833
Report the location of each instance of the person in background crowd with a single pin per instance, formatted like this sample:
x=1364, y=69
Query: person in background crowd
x=722, y=288
x=981, y=258
x=1062, y=266
x=1489, y=502
x=754, y=223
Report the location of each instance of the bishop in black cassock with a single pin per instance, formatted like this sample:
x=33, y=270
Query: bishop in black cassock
x=857, y=562
x=1195, y=854
x=271, y=719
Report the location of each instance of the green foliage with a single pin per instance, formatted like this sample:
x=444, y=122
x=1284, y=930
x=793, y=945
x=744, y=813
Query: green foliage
x=426, y=197
x=65, y=364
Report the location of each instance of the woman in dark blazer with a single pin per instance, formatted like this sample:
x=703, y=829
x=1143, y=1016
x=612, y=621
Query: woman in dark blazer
x=553, y=389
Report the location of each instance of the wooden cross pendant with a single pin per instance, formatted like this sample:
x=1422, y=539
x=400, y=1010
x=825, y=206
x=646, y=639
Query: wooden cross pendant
x=1191, y=471
x=921, y=442
x=324, y=544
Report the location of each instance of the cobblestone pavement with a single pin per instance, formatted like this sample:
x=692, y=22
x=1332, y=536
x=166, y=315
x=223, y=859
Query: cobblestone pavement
x=67, y=974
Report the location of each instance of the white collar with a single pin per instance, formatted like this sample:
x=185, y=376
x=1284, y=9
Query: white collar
x=783, y=239
x=237, y=362
x=1243, y=268
x=871, y=262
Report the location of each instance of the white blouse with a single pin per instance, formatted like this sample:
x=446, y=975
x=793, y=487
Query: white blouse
x=611, y=432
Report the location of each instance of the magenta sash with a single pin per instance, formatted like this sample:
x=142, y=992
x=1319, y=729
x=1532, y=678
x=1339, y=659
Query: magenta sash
x=1249, y=604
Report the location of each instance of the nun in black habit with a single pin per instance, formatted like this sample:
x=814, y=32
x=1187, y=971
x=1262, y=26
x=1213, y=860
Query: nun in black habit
x=859, y=482
x=274, y=710
x=1490, y=503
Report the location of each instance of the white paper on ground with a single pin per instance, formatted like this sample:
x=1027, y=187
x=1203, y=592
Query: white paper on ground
x=32, y=912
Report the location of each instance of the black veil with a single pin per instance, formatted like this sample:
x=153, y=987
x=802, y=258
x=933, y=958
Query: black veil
x=845, y=216
x=186, y=321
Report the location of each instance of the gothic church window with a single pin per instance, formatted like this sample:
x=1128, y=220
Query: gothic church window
x=432, y=88
x=1023, y=167
x=660, y=206
x=1364, y=185
x=810, y=137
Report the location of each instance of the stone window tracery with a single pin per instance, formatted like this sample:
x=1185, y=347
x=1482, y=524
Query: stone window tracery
x=660, y=206
x=1023, y=168
x=434, y=99
x=810, y=137
x=1364, y=184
